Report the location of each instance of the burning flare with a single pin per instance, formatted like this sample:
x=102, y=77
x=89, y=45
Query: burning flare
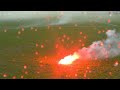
x=69, y=59
x=102, y=49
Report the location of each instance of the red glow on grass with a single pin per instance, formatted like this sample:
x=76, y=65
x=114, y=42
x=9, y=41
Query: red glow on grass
x=56, y=46
x=71, y=69
x=62, y=40
x=83, y=44
x=72, y=42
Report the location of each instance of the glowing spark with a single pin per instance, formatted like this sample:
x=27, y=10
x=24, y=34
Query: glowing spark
x=31, y=28
x=79, y=40
x=83, y=44
x=101, y=44
x=25, y=67
x=14, y=77
x=42, y=46
x=76, y=75
x=5, y=75
x=69, y=59
x=62, y=40
x=64, y=36
x=99, y=32
x=110, y=73
x=68, y=38
x=84, y=75
x=36, y=53
x=36, y=45
x=26, y=72
x=84, y=37
x=109, y=21
x=5, y=30
x=19, y=32
x=75, y=25
x=23, y=29
x=59, y=27
x=35, y=29
x=72, y=42
x=80, y=32
x=116, y=63
x=22, y=76
x=56, y=46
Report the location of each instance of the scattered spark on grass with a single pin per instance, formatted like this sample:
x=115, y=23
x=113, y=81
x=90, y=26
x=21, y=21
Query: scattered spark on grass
x=35, y=30
x=4, y=75
x=22, y=77
x=26, y=72
x=116, y=63
x=80, y=33
x=36, y=44
x=25, y=66
x=109, y=20
x=36, y=53
x=5, y=30
x=75, y=25
x=42, y=46
x=14, y=77
x=99, y=32
x=22, y=29
x=110, y=73
x=19, y=32
x=60, y=28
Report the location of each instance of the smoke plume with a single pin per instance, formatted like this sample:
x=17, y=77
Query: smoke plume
x=102, y=49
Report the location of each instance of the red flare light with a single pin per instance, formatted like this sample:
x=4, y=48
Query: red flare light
x=69, y=59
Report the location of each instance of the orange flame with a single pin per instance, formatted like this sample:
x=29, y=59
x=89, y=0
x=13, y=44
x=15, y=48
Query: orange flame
x=69, y=59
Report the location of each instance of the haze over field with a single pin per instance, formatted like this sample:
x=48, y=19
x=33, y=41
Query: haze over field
x=44, y=18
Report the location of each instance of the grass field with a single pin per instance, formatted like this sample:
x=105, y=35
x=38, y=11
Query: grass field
x=31, y=52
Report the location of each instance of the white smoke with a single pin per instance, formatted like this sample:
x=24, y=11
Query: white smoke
x=15, y=15
x=67, y=17
x=39, y=18
x=102, y=49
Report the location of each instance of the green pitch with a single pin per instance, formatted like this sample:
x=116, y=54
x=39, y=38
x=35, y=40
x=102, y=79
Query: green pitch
x=18, y=50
